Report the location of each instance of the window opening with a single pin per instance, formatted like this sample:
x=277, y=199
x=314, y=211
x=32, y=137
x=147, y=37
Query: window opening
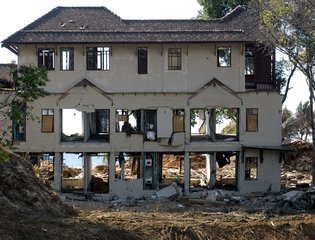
x=252, y=119
x=150, y=125
x=224, y=56
x=100, y=173
x=251, y=168
x=67, y=59
x=179, y=120
x=46, y=57
x=72, y=125
x=44, y=166
x=174, y=59
x=18, y=111
x=142, y=60
x=47, y=120
x=170, y=169
x=98, y=58
x=214, y=124
x=99, y=124
x=128, y=121
x=127, y=166
x=249, y=61
x=72, y=172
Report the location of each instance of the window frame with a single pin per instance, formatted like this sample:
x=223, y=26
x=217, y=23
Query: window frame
x=249, y=61
x=229, y=53
x=45, y=112
x=142, y=60
x=174, y=59
x=69, y=64
x=48, y=61
x=248, y=161
x=251, y=112
x=98, y=58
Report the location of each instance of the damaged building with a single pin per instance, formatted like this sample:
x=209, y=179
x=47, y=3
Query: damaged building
x=136, y=105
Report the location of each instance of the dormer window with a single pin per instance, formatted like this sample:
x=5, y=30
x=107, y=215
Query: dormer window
x=46, y=57
x=97, y=58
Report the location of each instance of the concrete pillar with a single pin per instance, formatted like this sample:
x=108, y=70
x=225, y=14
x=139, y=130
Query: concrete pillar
x=187, y=172
x=211, y=169
x=87, y=168
x=85, y=126
x=58, y=172
x=111, y=170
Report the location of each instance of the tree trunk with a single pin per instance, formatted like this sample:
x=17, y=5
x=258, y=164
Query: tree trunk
x=310, y=82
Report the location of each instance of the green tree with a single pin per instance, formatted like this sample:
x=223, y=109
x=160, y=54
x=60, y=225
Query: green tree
x=290, y=27
x=218, y=8
x=28, y=85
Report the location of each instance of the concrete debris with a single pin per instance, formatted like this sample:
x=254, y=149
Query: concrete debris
x=124, y=201
x=168, y=192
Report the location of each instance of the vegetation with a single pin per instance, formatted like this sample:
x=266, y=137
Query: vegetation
x=28, y=85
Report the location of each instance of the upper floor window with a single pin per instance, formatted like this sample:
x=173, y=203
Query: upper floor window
x=46, y=57
x=224, y=56
x=97, y=58
x=174, y=59
x=249, y=61
x=142, y=60
x=66, y=59
x=252, y=119
x=47, y=120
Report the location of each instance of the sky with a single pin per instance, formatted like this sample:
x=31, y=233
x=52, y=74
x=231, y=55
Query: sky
x=16, y=14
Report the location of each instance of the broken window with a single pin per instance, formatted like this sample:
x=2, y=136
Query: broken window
x=214, y=124
x=252, y=119
x=66, y=59
x=128, y=121
x=179, y=120
x=98, y=58
x=170, y=169
x=18, y=112
x=72, y=125
x=72, y=172
x=100, y=173
x=224, y=56
x=44, y=166
x=47, y=120
x=251, y=168
x=127, y=166
x=150, y=124
x=249, y=61
x=142, y=60
x=174, y=59
x=46, y=57
x=226, y=170
x=98, y=123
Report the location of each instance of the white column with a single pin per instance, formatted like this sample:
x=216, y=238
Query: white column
x=57, y=172
x=87, y=166
x=187, y=172
x=111, y=170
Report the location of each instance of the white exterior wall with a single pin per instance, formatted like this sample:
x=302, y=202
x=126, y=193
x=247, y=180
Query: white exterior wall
x=199, y=65
x=123, y=88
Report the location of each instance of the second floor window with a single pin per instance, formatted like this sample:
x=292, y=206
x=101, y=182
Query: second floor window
x=47, y=120
x=97, y=58
x=249, y=61
x=142, y=60
x=66, y=59
x=252, y=119
x=174, y=59
x=224, y=56
x=46, y=57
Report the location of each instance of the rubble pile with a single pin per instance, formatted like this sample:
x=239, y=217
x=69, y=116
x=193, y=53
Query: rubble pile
x=22, y=193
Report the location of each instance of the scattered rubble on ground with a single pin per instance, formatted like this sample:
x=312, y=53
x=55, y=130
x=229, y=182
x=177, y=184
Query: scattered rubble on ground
x=30, y=209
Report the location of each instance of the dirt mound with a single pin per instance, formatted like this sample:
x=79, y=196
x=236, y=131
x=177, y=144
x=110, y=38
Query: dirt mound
x=23, y=194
